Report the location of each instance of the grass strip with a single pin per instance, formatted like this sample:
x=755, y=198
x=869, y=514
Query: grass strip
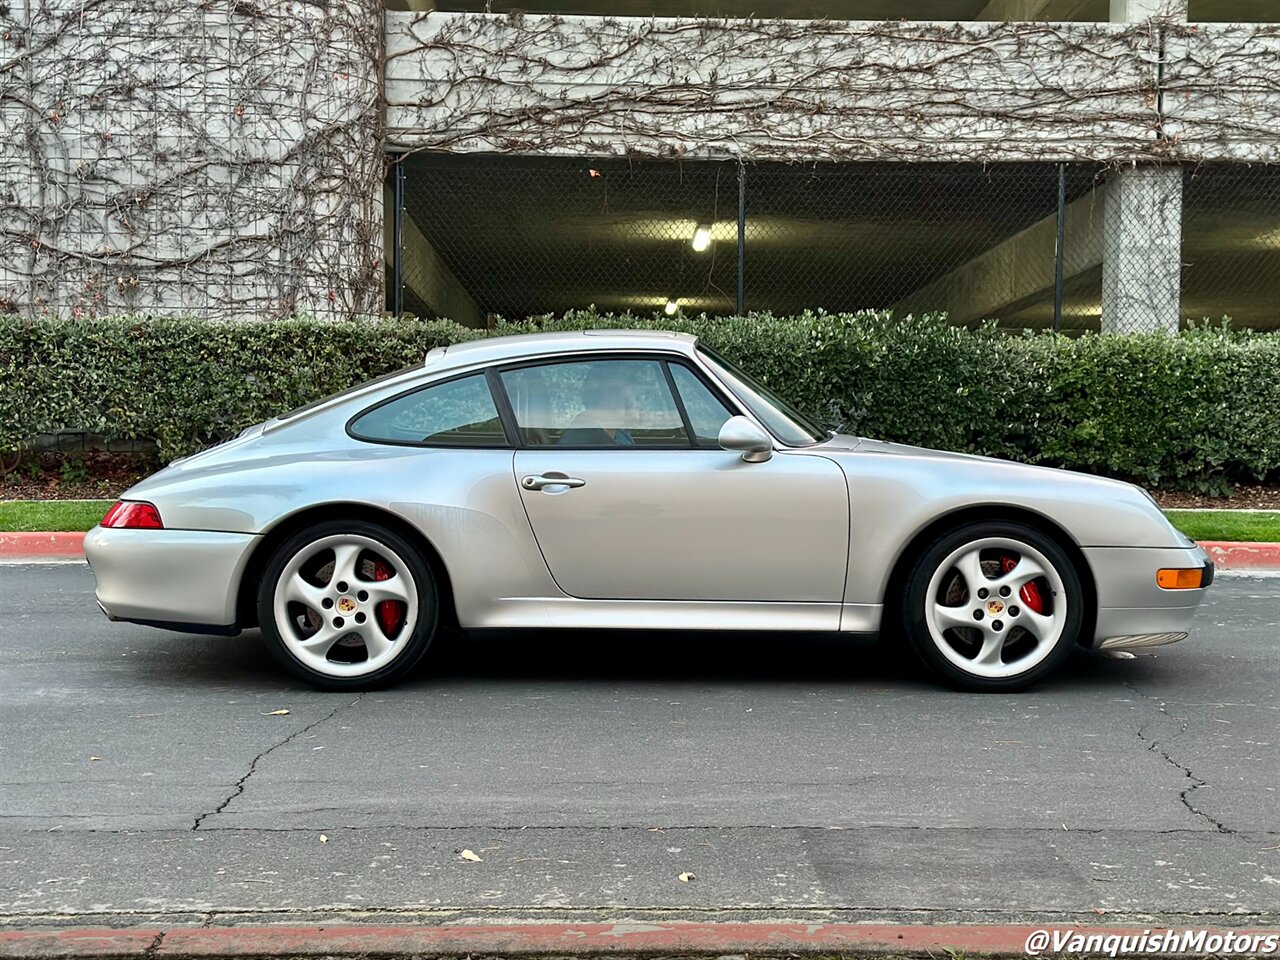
x=1262, y=525
x=51, y=515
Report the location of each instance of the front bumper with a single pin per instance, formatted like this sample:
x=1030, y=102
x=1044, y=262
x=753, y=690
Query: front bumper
x=1133, y=610
x=177, y=579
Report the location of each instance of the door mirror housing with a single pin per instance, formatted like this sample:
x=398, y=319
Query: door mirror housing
x=744, y=436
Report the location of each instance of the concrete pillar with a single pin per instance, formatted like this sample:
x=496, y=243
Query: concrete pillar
x=1142, y=250
x=1142, y=233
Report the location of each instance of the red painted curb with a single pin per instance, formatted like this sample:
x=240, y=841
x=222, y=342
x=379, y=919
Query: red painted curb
x=23, y=546
x=547, y=938
x=1243, y=556
x=76, y=943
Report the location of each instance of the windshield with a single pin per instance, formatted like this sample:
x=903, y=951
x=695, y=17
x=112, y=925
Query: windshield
x=780, y=418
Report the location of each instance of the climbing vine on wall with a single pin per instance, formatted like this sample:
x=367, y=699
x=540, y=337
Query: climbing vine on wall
x=829, y=90
x=220, y=157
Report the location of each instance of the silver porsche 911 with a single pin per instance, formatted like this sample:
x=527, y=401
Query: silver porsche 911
x=612, y=479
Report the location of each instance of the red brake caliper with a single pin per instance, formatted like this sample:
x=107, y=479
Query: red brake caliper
x=1030, y=593
x=388, y=611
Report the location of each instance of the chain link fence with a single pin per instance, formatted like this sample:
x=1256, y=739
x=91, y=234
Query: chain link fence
x=1030, y=245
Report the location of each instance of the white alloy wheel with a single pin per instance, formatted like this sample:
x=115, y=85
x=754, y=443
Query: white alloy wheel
x=996, y=607
x=345, y=605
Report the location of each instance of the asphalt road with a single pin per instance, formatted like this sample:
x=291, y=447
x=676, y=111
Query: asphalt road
x=142, y=776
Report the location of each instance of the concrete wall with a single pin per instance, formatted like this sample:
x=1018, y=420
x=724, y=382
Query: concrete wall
x=834, y=90
x=771, y=89
x=222, y=158
x=226, y=157
x=1220, y=97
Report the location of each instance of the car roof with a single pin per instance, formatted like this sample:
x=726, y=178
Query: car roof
x=525, y=345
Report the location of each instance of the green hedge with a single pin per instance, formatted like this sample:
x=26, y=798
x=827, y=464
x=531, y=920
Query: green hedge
x=1193, y=410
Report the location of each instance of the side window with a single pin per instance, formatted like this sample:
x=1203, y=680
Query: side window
x=595, y=403
x=706, y=414
x=457, y=413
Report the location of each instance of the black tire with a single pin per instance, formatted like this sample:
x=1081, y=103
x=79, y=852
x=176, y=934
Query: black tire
x=415, y=643
x=1044, y=658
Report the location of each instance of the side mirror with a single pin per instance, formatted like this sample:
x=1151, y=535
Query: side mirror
x=740, y=434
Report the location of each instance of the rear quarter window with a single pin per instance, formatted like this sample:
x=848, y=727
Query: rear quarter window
x=457, y=413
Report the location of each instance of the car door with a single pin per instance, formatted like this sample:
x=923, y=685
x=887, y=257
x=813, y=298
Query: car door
x=629, y=496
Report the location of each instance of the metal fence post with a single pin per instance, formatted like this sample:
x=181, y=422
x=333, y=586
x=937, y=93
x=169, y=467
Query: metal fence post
x=742, y=235
x=1059, y=250
x=397, y=240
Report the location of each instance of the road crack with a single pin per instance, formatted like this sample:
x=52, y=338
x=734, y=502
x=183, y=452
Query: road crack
x=1155, y=745
x=154, y=946
x=239, y=786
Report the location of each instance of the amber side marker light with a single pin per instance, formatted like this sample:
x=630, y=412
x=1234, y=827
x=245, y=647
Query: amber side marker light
x=1173, y=579
x=133, y=514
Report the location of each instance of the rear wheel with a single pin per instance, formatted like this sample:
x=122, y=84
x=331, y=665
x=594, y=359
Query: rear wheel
x=993, y=606
x=348, y=605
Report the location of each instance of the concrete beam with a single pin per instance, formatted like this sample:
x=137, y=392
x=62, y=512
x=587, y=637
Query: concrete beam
x=699, y=88
x=1129, y=11
x=1017, y=271
x=428, y=277
x=1048, y=10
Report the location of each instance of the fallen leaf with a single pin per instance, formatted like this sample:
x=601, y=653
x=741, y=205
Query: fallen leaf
x=277, y=713
x=323, y=838
x=470, y=855
x=686, y=877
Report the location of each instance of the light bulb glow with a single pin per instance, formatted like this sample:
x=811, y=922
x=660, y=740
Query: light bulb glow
x=701, y=237
x=671, y=308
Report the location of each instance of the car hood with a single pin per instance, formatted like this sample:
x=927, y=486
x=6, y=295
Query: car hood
x=842, y=442
x=862, y=446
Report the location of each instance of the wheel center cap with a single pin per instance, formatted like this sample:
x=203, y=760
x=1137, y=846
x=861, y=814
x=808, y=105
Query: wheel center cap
x=994, y=607
x=346, y=604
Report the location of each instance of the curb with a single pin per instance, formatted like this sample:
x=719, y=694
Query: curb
x=1243, y=556
x=41, y=546
x=556, y=939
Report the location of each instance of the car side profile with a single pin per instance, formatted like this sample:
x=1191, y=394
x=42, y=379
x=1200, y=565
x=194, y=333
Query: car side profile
x=628, y=479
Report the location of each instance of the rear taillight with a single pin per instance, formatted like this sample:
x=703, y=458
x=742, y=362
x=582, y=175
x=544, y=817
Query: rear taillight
x=133, y=514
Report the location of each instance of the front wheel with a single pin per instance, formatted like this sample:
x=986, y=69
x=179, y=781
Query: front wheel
x=347, y=605
x=993, y=606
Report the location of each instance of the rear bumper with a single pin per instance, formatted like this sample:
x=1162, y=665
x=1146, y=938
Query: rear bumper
x=1130, y=603
x=176, y=579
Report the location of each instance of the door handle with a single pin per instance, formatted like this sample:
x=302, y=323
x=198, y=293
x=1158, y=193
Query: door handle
x=551, y=480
